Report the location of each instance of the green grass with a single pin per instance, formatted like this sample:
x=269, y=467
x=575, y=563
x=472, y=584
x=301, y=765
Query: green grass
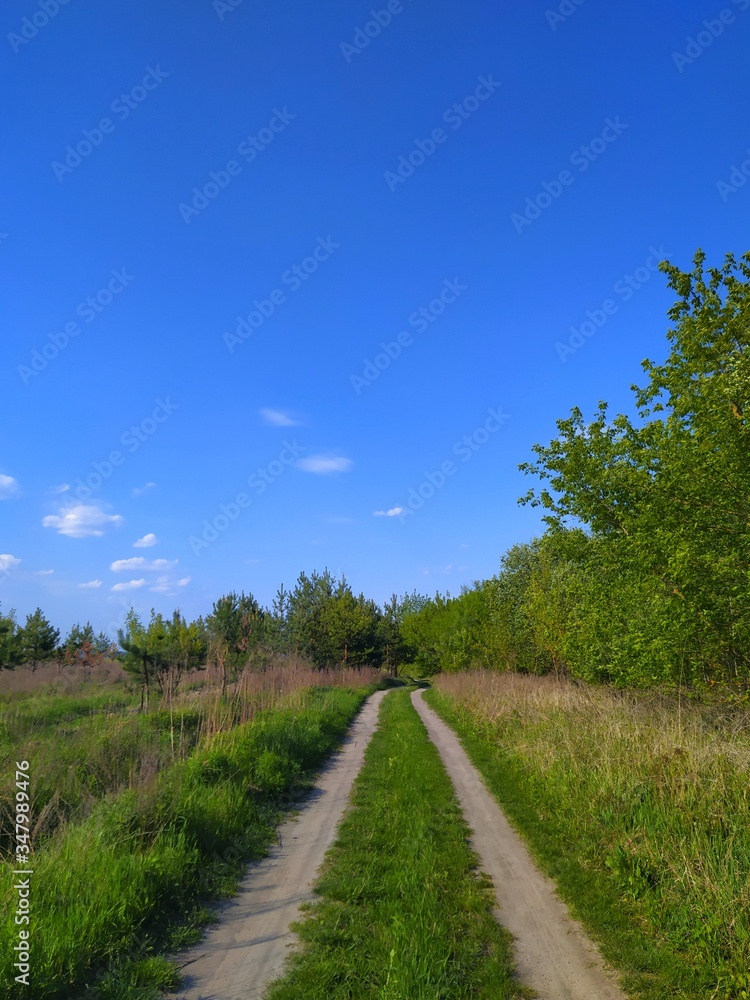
x=81, y=750
x=114, y=891
x=638, y=810
x=404, y=914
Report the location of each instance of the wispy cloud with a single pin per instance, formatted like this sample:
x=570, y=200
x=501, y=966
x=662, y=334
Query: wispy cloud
x=43, y=572
x=130, y=585
x=164, y=585
x=9, y=487
x=393, y=512
x=140, y=490
x=279, y=418
x=62, y=488
x=140, y=562
x=323, y=465
x=8, y=561
x=90, y=585
x=146, y=542
x=81, y=521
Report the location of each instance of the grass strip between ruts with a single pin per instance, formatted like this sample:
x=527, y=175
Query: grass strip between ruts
x=403, y=913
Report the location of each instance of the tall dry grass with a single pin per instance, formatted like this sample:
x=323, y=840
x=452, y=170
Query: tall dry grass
x=88, y=740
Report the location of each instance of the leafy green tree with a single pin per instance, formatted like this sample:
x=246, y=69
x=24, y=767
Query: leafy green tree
x=137, y=659
x=665, y=495
x=352, y=626
x=10, y=642
x=325, y=622
x=235, y=628
x=38, y=638
x=396, y=651
x=183, y=650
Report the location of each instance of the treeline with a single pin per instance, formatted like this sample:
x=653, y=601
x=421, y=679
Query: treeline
x=38, y=641
x=320, y=619
x=643, y=575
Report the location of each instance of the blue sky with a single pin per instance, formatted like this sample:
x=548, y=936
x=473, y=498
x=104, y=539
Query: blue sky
x=217, y=214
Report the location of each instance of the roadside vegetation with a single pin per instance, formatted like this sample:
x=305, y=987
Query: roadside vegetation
x=161, y=812
x=403, y=914
x=641, y=578
x=637, y=805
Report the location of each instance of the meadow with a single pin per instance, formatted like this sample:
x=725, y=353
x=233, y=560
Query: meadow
x=637, y=805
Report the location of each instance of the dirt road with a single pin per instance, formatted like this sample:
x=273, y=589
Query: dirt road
x=248, y=947
x=246, y=950
x=553, y=954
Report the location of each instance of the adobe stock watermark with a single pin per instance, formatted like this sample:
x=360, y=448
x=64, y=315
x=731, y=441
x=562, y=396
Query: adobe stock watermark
x=248, y=149
x=739, y=174
x=564, y=12
x=420, y=320
x=31, y=26
x=224, y=7
x=258, y=481
x=455, y=116
x=130, y=441
x=623, y=291
x=292, y=279
x=88, y=311
x=711, y=29
x=122, y=107
x=582, y=158
x=364, y=34
x=464, y=450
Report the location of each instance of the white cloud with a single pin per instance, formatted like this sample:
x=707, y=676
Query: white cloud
x=393, y=512
x=62, y=488
x=139, y=490
x=44, y=572
x=81, y=521
x=324, y=464
x=91, y=585
x=139, y=562
x=130, y=585
x=164, y=585
x=8, y=562
x=146, y=542
x=279, y=418
x=8, y=487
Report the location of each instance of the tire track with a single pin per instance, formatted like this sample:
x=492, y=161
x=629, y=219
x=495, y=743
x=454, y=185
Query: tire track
x=247, y=948
x=554, y=956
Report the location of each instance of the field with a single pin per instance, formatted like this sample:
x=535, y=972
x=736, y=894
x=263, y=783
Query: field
x=637, y=805
x=140, y=819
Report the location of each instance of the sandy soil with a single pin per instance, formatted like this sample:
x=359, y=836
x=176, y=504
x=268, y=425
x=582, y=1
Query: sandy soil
x=553, y=954
x=246, y=950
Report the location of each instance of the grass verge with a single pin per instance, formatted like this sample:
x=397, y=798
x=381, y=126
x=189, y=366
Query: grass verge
x=110, y=893
x=637, y=808
x=403, y=913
